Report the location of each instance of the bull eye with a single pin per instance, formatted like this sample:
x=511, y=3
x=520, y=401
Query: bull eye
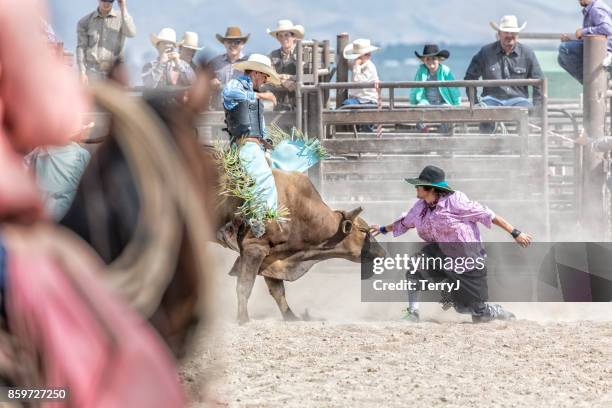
x=347, y=226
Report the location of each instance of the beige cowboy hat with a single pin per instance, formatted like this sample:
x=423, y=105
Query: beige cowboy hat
x=190, y=40
x=233, y=33
x=287, y=25
x=508, y=24
x=259, y=63
x=166, y=34
x=357, y=48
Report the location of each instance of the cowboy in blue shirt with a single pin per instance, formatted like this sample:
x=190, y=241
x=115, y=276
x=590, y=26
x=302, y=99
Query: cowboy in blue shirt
x=597, y=21
x=247, y=128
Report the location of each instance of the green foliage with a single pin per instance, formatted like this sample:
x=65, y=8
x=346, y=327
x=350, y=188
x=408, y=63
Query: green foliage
x=235, y=182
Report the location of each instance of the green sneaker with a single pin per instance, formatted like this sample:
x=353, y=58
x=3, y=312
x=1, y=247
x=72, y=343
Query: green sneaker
x=411, y=315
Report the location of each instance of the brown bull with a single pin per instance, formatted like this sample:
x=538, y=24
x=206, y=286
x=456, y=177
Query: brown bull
x=288, y=250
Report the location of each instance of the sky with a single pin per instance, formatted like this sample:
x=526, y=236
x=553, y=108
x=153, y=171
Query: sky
x=385, y=22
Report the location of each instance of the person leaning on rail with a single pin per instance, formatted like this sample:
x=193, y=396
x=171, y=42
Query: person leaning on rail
x=359, y=56
x=284, y=61
x=444, y=217
x=432, y=69
x=505, y=58
x=223, y=65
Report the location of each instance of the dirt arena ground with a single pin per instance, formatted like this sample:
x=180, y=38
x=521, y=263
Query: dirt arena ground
x=354, y=354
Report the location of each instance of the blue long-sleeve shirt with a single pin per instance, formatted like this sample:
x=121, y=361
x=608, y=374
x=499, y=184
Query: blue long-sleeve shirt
x=598, y=20
x=238, y=90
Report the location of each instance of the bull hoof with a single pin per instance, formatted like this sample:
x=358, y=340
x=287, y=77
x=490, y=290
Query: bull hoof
x=289, y=316
x=242, y=321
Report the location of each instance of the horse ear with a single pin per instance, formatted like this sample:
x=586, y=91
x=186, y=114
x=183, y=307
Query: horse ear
x=351, y=215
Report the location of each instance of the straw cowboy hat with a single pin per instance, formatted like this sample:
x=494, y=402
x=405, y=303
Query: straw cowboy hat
x=233, y=33
x=357, y=48
x=166, y=34
x=259, y=63
x=432, y=50
x=190, y=40
x=287, y=25
x=508, y=24
x=431, y=176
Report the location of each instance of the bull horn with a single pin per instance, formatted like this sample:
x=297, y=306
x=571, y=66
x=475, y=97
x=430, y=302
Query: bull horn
x=351, y=215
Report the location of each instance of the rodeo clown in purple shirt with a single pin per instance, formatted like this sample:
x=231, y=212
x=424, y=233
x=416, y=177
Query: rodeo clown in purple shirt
x=447, y=219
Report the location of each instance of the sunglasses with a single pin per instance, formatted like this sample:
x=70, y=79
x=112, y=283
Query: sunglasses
x=233, y=42
x=107, y=1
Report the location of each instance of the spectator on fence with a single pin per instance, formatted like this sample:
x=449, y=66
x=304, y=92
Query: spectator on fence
x=188, y=48
x=168, y=69
x=101, y=38
x=432, y=69
x=222, y=65
x=505, y=58
x=359, y=56
x=597, y=21
x=284, y=61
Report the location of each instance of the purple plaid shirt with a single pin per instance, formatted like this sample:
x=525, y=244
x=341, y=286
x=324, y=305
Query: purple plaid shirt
x=598, y=20
x=453, y=219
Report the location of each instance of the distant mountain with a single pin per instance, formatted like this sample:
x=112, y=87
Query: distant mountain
x=385, y=22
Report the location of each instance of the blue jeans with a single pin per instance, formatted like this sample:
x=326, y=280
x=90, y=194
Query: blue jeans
x=489, y=127
x=570, y=58
x=355, y=101
x=445, y=128
x=253, y=159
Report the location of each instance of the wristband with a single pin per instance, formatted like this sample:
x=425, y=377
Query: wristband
x=383, y=229
x=515, y=233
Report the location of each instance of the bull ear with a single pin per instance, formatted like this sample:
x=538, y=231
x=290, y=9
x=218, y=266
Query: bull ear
x=351, y=215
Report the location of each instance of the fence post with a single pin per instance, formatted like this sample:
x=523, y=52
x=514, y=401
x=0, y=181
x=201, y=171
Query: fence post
x=544, y=92
x=341, y=67
x=313, y=118
x=299, y=82
x=594, y=114
x=326, y=64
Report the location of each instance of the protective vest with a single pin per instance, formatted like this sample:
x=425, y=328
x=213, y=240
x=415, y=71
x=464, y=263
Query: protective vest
x=245, y=120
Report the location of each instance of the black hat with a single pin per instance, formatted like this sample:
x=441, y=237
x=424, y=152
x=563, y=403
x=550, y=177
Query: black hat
x=432, y=50
x=431, y=176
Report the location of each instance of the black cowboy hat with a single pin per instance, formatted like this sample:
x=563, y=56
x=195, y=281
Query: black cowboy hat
x=432, y=50
x=431, y=176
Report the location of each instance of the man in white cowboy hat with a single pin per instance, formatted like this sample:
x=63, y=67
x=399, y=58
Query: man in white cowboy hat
x=188, y=46
x=505, y=58
x=243, y=104
x=168, y=69
x=222, y=65
x=284, y=61
x=101, y=38
x=359, y=56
